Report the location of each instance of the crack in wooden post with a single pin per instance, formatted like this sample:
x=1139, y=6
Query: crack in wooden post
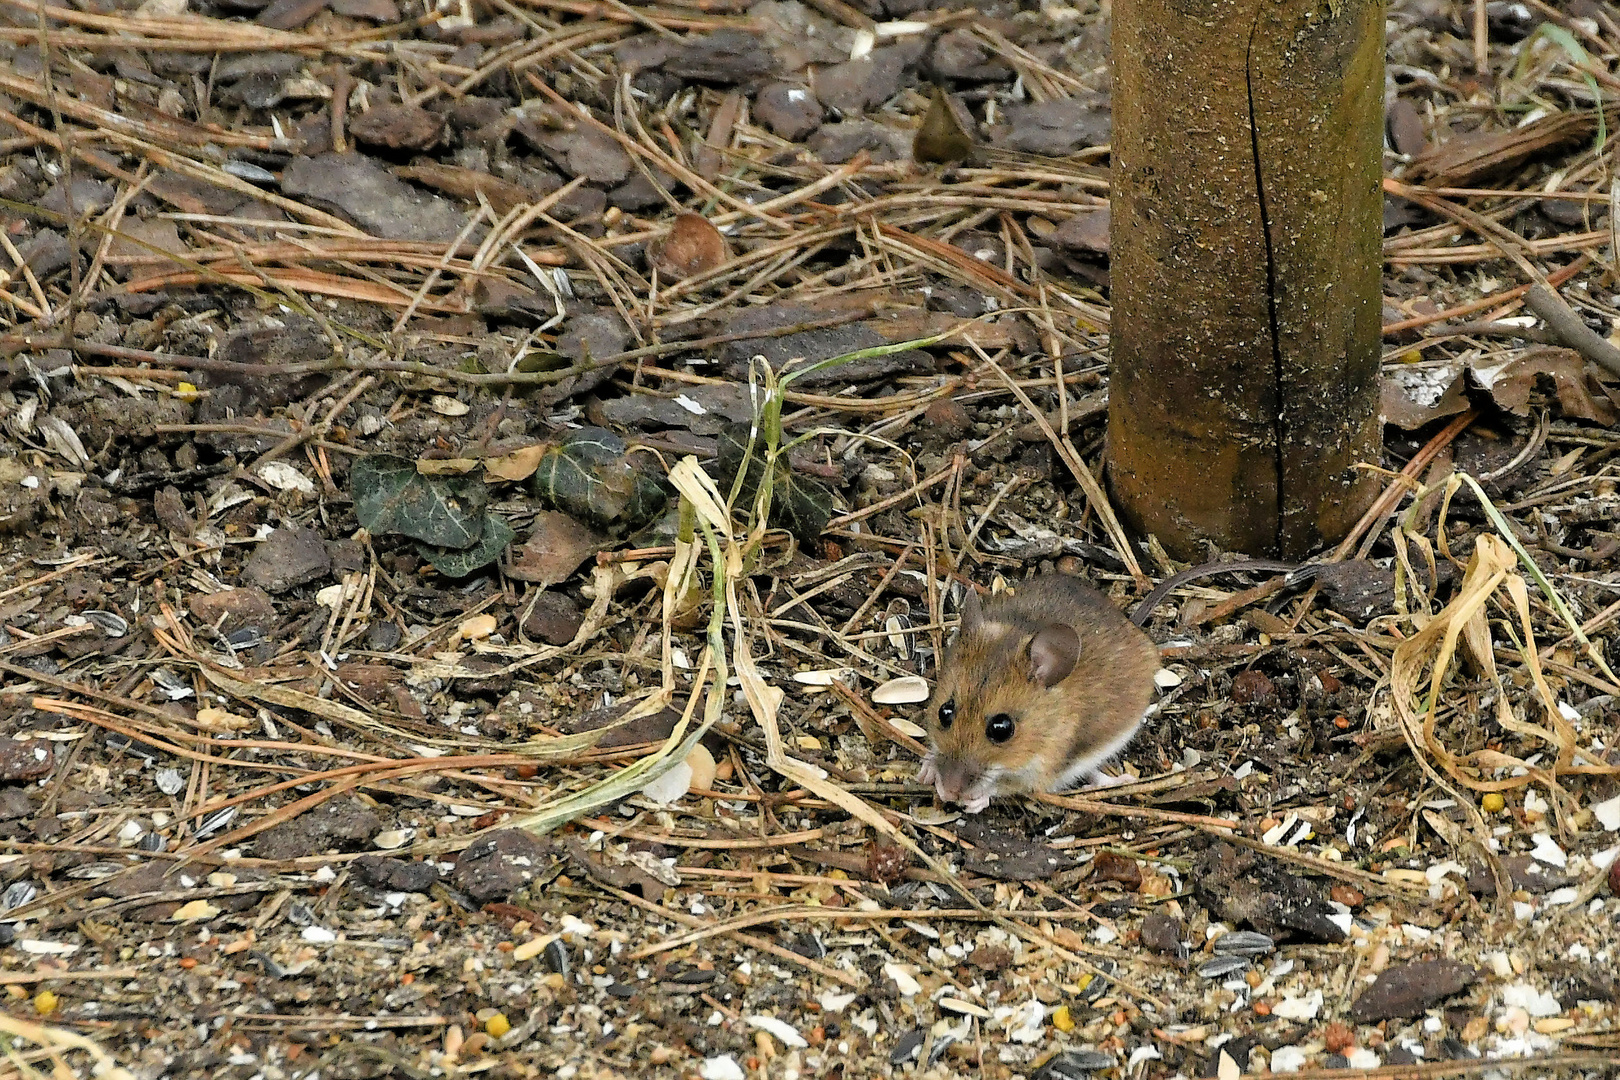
x=1246, y=270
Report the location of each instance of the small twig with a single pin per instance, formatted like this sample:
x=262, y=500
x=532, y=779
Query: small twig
x=1540, y=298
x=899, y=497
x=1497, y=329
x=1557, y=277
x=1088, y=482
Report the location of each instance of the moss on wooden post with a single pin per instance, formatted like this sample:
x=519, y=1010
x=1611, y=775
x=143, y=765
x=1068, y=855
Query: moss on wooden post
x=1245, y=269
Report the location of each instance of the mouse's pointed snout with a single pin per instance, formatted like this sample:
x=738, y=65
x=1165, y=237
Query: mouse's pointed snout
x=953, y=778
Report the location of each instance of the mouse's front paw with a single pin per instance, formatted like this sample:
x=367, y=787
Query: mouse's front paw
x=1098, y=778
x=977, y=804
x=925, y=772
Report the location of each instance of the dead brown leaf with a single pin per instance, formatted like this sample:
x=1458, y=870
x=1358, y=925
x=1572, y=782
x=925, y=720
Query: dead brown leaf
x=554, y=549
x=517, y=465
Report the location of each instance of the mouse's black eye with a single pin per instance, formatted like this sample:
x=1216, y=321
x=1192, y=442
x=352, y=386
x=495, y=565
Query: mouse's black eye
x=947, y=713
x=999, y=728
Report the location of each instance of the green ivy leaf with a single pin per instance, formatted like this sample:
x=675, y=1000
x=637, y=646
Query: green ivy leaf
x=390, y=496
x=590, y=476
x=800, y=504
x=457, y=564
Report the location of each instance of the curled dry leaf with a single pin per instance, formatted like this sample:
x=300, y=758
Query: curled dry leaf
x=517, y=465
x=691, y=247
x=455, y=466
x=1418, y=394
x=554, y=549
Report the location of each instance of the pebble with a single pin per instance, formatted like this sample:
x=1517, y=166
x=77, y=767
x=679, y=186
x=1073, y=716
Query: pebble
x=1514, y=1021
x=1253, y=688
x=1536, y=1002
x=791, y=112
x=1607, y=813
x=1287, y=1059
x=1297, y=1008
x=1410, y=989
x=1162, y=933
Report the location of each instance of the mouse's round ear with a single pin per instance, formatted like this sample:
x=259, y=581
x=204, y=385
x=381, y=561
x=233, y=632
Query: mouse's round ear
x=1052, y=653
x=972, y=613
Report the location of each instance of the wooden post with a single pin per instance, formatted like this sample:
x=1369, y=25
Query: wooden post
x=1245, y=270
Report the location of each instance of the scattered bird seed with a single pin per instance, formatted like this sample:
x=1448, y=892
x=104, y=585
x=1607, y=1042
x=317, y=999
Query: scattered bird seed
x=908, y=1048
x=1222, y=966
x=108, y=622
x=246, y=170
x=1243, y=943
x=17, y=894
x=1075, y=1064
x=695, y=977
x=217, y=822
x=556, y=958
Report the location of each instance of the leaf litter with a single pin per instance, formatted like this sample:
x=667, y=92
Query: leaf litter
x=484, y=490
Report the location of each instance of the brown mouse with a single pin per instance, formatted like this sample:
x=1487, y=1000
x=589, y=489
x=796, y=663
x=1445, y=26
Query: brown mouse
x=1044, y=683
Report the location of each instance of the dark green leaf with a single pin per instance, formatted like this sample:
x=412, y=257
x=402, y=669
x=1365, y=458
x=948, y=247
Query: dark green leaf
x=496, y=535
x=800, y=504
x=591, y=477
x=390, y=496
